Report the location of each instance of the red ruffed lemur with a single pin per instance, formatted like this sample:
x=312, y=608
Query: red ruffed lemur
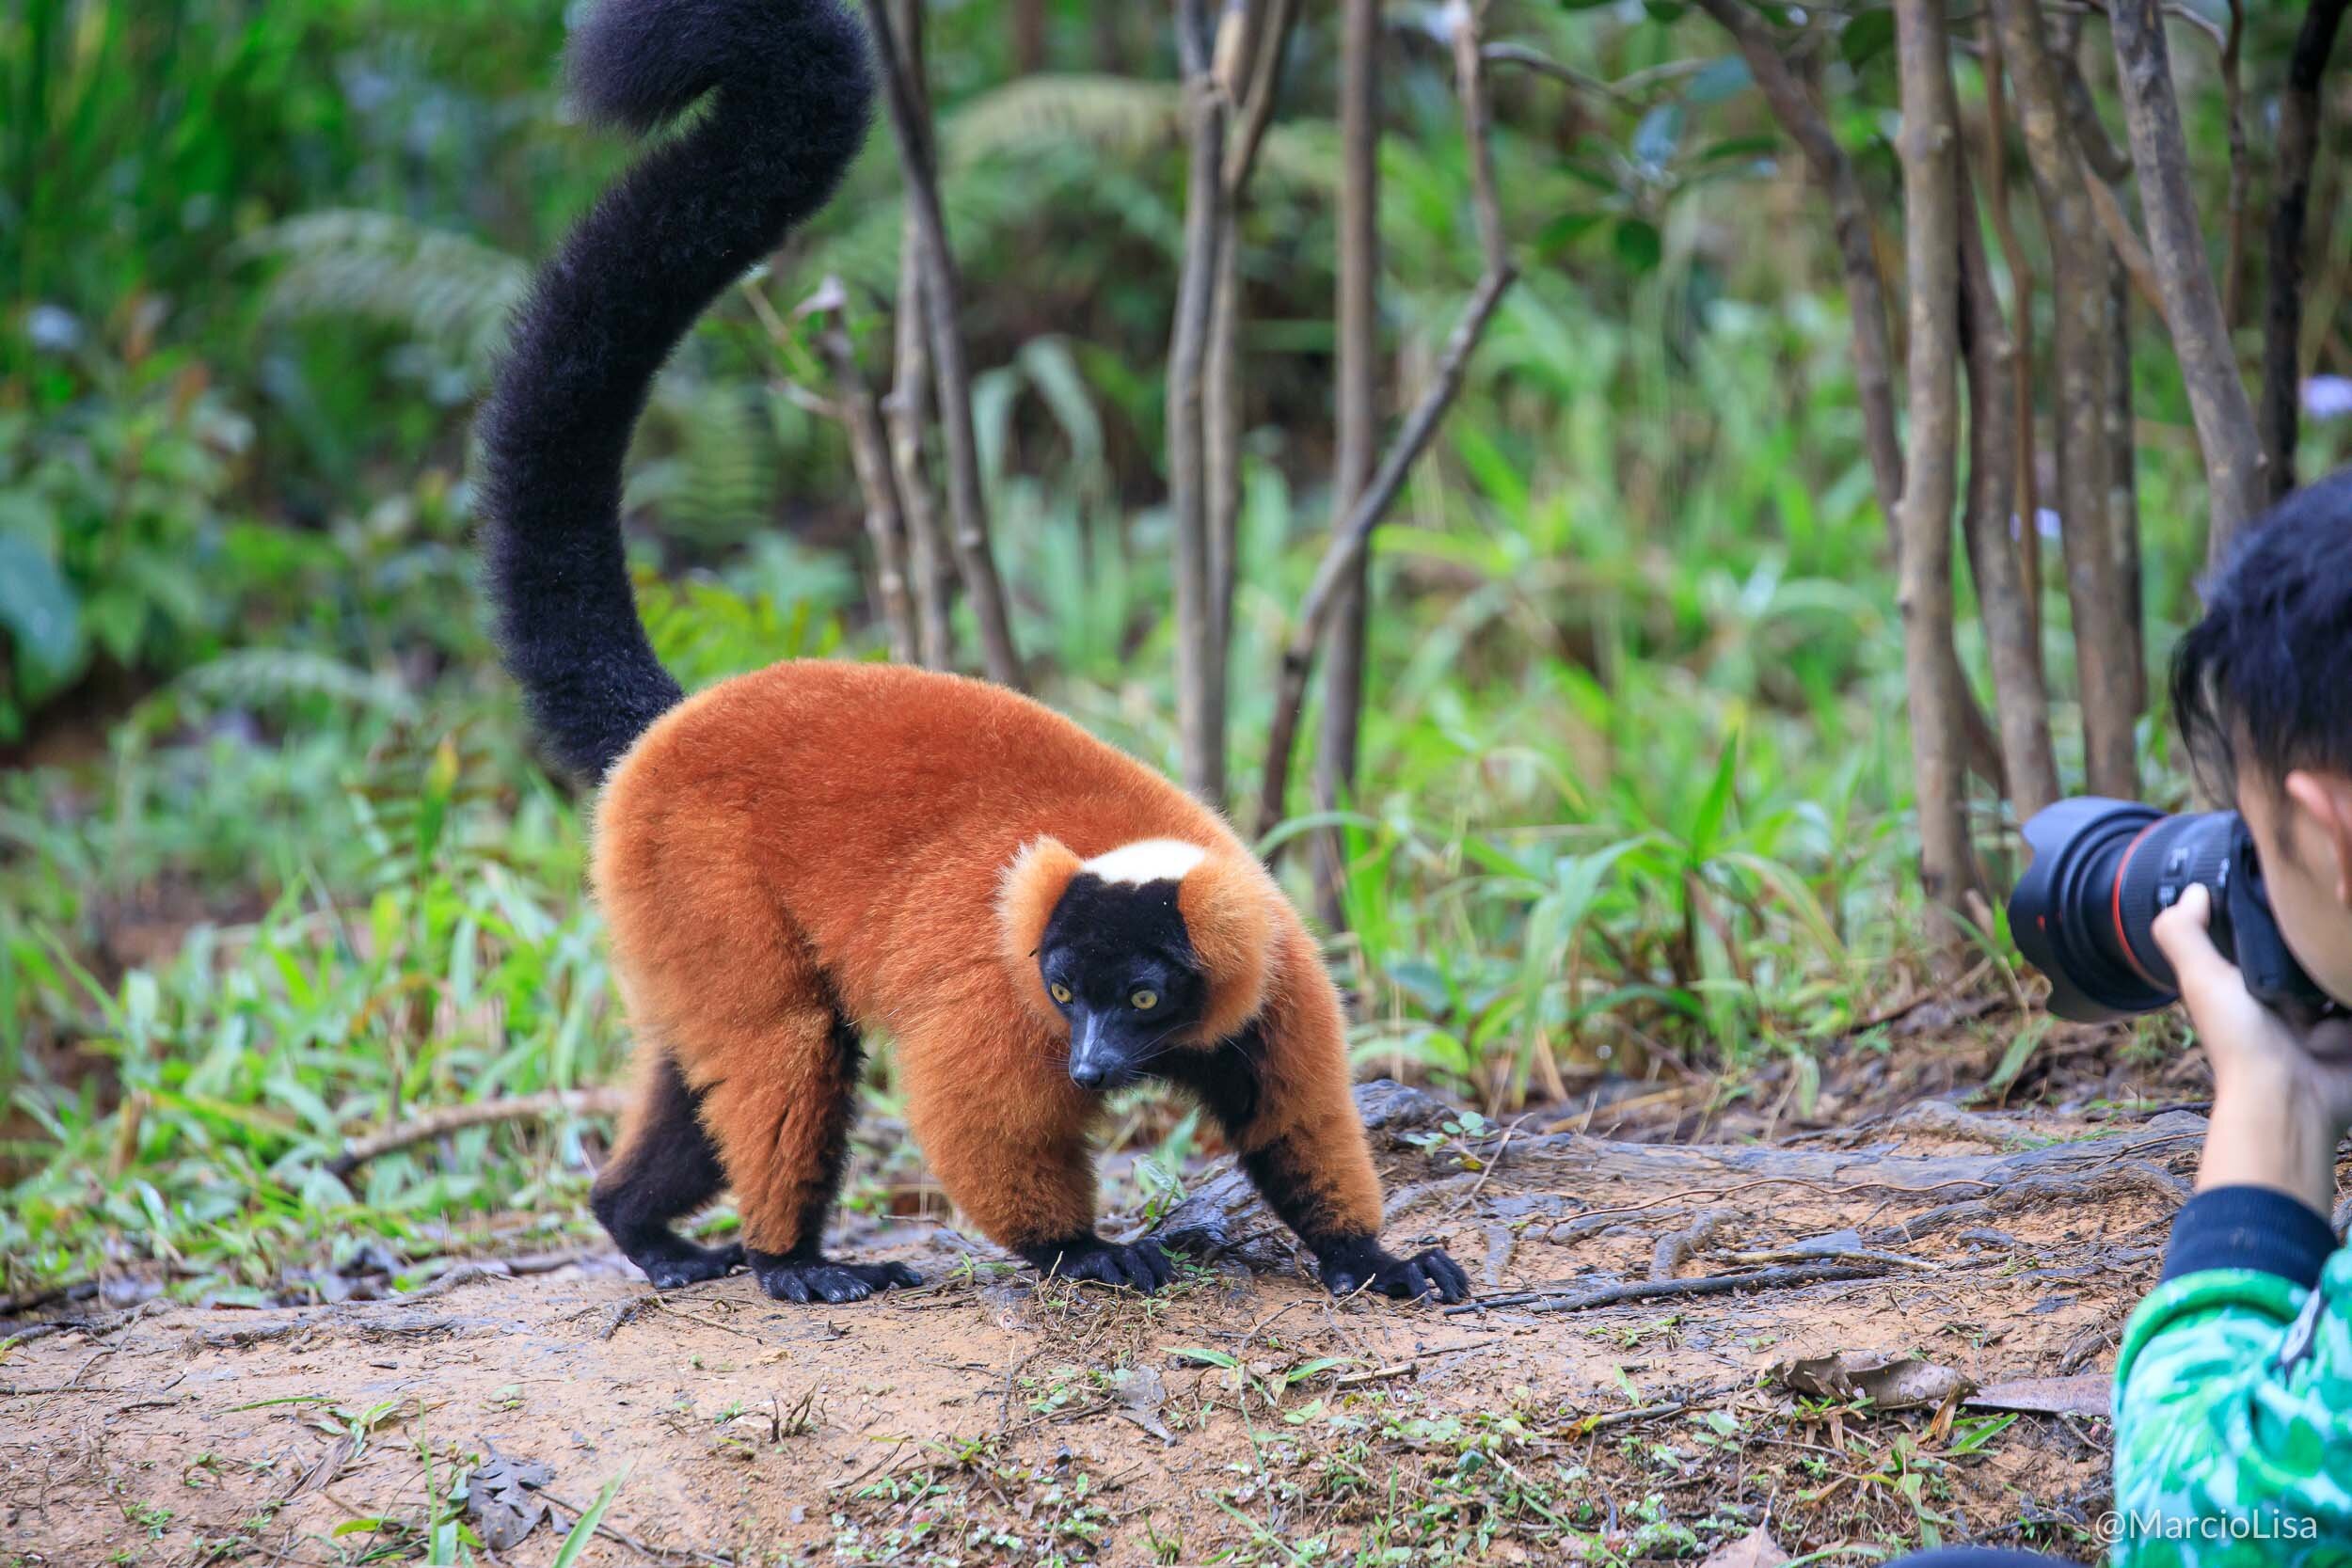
x=816, y=849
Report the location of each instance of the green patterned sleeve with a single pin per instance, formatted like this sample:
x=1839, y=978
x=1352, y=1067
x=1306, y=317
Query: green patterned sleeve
x=2234, y=1423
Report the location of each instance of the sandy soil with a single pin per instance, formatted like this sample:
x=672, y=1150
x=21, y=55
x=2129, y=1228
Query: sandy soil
x=1244, y=1416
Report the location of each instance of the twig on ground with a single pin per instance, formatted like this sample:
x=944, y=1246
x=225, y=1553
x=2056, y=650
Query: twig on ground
x=1675, y=1247
x=480, y=1113
x=641, y=1548
x=1397, y=1369
x=1653, y=1290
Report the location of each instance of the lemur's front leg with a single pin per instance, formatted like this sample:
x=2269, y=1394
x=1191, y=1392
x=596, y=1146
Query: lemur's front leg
x=1302, y=1143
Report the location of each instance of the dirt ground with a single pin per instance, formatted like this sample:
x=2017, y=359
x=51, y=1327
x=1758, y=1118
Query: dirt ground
x=1243, y=1416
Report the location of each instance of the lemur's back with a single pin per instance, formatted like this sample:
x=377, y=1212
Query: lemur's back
x=880, y=806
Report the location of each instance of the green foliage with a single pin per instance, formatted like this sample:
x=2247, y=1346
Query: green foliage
x=1634, y=782
x=115, y=507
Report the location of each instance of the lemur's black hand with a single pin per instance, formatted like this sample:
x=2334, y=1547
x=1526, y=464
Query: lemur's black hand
x=1365, y=1266
x=1141, y=1267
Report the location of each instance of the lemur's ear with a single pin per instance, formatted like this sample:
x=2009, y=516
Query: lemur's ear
x=1228, y=902
x=1026, y=897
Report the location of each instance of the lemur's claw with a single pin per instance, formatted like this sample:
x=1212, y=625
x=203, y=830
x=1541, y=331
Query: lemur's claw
x=1420, y=1277
x=821, y=1279
x=682, y=1263
x=1141, y=1267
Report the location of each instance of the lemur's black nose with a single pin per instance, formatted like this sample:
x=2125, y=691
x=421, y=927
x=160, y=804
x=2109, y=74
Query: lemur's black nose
x=1088, y=1076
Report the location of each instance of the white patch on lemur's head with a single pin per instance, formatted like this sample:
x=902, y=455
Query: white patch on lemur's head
x=1149, y=859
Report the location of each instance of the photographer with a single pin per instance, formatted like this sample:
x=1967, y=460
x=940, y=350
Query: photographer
x=2234, y=1388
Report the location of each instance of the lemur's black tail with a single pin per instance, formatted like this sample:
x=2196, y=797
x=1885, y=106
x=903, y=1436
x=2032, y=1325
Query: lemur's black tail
x=792, y=88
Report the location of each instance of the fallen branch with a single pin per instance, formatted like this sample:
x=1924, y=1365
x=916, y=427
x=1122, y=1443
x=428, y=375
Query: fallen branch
x=1657, y=1289
x=1353, y=539
x=480, y=1113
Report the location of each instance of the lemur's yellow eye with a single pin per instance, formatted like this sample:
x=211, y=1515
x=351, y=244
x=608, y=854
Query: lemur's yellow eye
x=1145, y=1000
x=1061, y=992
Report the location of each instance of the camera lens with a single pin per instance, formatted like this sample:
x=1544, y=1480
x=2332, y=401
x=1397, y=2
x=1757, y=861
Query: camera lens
x=2085, y=911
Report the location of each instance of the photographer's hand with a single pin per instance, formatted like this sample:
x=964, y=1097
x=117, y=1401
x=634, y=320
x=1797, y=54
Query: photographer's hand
x=2281, y=1097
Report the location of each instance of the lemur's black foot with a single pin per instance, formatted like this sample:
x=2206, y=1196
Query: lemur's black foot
x=816, y=1277
x=1364, y=1266
x=670, y=1261
x=1141, y=1267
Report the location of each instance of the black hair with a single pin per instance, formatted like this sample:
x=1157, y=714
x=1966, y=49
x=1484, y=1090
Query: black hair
x=2265, y=677
x=791, y=88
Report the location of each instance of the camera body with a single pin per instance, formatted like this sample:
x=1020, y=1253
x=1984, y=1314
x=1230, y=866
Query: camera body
x=2085, y=911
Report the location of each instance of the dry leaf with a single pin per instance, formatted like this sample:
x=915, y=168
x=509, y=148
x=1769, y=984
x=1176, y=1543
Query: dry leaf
x=1756, y=1549
x=2088, y=1395
x=501, y=1499
x=1889, y=1382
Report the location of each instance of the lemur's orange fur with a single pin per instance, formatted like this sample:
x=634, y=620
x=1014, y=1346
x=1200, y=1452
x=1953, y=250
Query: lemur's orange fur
x=888, y=843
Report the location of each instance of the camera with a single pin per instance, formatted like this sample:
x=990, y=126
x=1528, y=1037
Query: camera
x=2085, y=910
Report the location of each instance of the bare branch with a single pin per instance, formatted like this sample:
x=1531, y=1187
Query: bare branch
x=1356, y=412
x=1865, y=292
x=2012, y=631
x=1792, y=106
x=2027, y=497
x=2123, y=433
x=870, y=455
x=2282, y=321
x=2234, y=107
x=1262, y=68
x=1200, y=710
x=904, y=409
x=1929, y=146
x=1544, y=65
x=2130, y=251
x=1343, y=558
x=2216, y=395
x=2080, y=362
x=1262, y=34
x=966, y=505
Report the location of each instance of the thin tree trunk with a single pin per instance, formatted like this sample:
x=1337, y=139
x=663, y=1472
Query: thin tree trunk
x=1344, y=554
x=2217, y=395
x=1249, y=73
x=1029, y=35
x=2282, y=321
x=1929, y=147
x=1356, y=397
x=910, y=119
x=870, y=455
x=905, y=411
x=2234, y=107
x=2123, y=448
x=1792, y=106
x=2003, y=595
x=1866, y=293
x=2027, y=501
x=2080, y=362
x=1198, y=711
x=1222, y=408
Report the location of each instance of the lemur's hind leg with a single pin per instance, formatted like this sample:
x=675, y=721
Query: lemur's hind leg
x=663, y=1169
x=779, y=1111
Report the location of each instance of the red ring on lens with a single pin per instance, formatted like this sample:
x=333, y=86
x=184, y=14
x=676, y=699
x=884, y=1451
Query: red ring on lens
x=2115, y=904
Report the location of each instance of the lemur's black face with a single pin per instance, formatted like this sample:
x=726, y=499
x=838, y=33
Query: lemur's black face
x=1117, y=963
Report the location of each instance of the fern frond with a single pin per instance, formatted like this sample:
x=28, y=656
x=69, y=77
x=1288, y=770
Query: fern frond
x=257, y=677
x=1114, y=116
x=716, y=477
x=446, y=291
